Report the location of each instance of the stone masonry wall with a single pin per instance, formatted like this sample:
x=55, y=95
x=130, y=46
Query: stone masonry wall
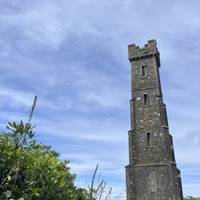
x=152, y=173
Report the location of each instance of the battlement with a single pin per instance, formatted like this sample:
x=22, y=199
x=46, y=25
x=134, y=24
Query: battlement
x=149, y=49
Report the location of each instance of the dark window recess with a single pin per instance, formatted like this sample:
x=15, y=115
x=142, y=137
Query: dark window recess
x=144, y=71
x=148, y=139
x=145, y=99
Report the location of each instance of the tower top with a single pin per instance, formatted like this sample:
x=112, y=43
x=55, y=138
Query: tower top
x=149, y=49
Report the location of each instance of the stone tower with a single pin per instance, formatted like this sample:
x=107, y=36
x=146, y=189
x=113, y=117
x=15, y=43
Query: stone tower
x=152, y=173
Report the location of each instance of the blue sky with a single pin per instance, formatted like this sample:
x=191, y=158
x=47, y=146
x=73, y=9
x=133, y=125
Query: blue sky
x=73, y=55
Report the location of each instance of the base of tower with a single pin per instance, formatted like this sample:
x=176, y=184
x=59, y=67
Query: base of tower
x=155, y=182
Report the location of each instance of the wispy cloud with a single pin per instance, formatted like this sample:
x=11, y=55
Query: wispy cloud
x=73, y=54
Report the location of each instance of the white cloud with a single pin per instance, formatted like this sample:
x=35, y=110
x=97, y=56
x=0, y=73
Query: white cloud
x=191, y=189
x=80, y=128
x=39, y=23
x=40, y=41
x=16, y=98
x=188, y=156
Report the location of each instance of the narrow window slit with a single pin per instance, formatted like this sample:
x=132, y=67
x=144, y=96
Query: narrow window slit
x=145, y=99
x=144, y=72
x=148, y=139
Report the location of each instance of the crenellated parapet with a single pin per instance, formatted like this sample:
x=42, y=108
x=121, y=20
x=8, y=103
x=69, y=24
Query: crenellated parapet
x=149, y=49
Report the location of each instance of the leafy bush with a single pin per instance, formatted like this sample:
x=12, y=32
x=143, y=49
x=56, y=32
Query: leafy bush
x=31, y=171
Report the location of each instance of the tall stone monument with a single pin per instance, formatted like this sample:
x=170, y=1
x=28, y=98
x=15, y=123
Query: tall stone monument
x=152, y=173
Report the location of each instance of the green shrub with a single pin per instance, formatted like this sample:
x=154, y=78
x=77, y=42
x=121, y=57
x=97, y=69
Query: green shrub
x=31, y=171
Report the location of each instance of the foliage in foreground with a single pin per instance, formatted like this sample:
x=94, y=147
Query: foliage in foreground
x=29, y=170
